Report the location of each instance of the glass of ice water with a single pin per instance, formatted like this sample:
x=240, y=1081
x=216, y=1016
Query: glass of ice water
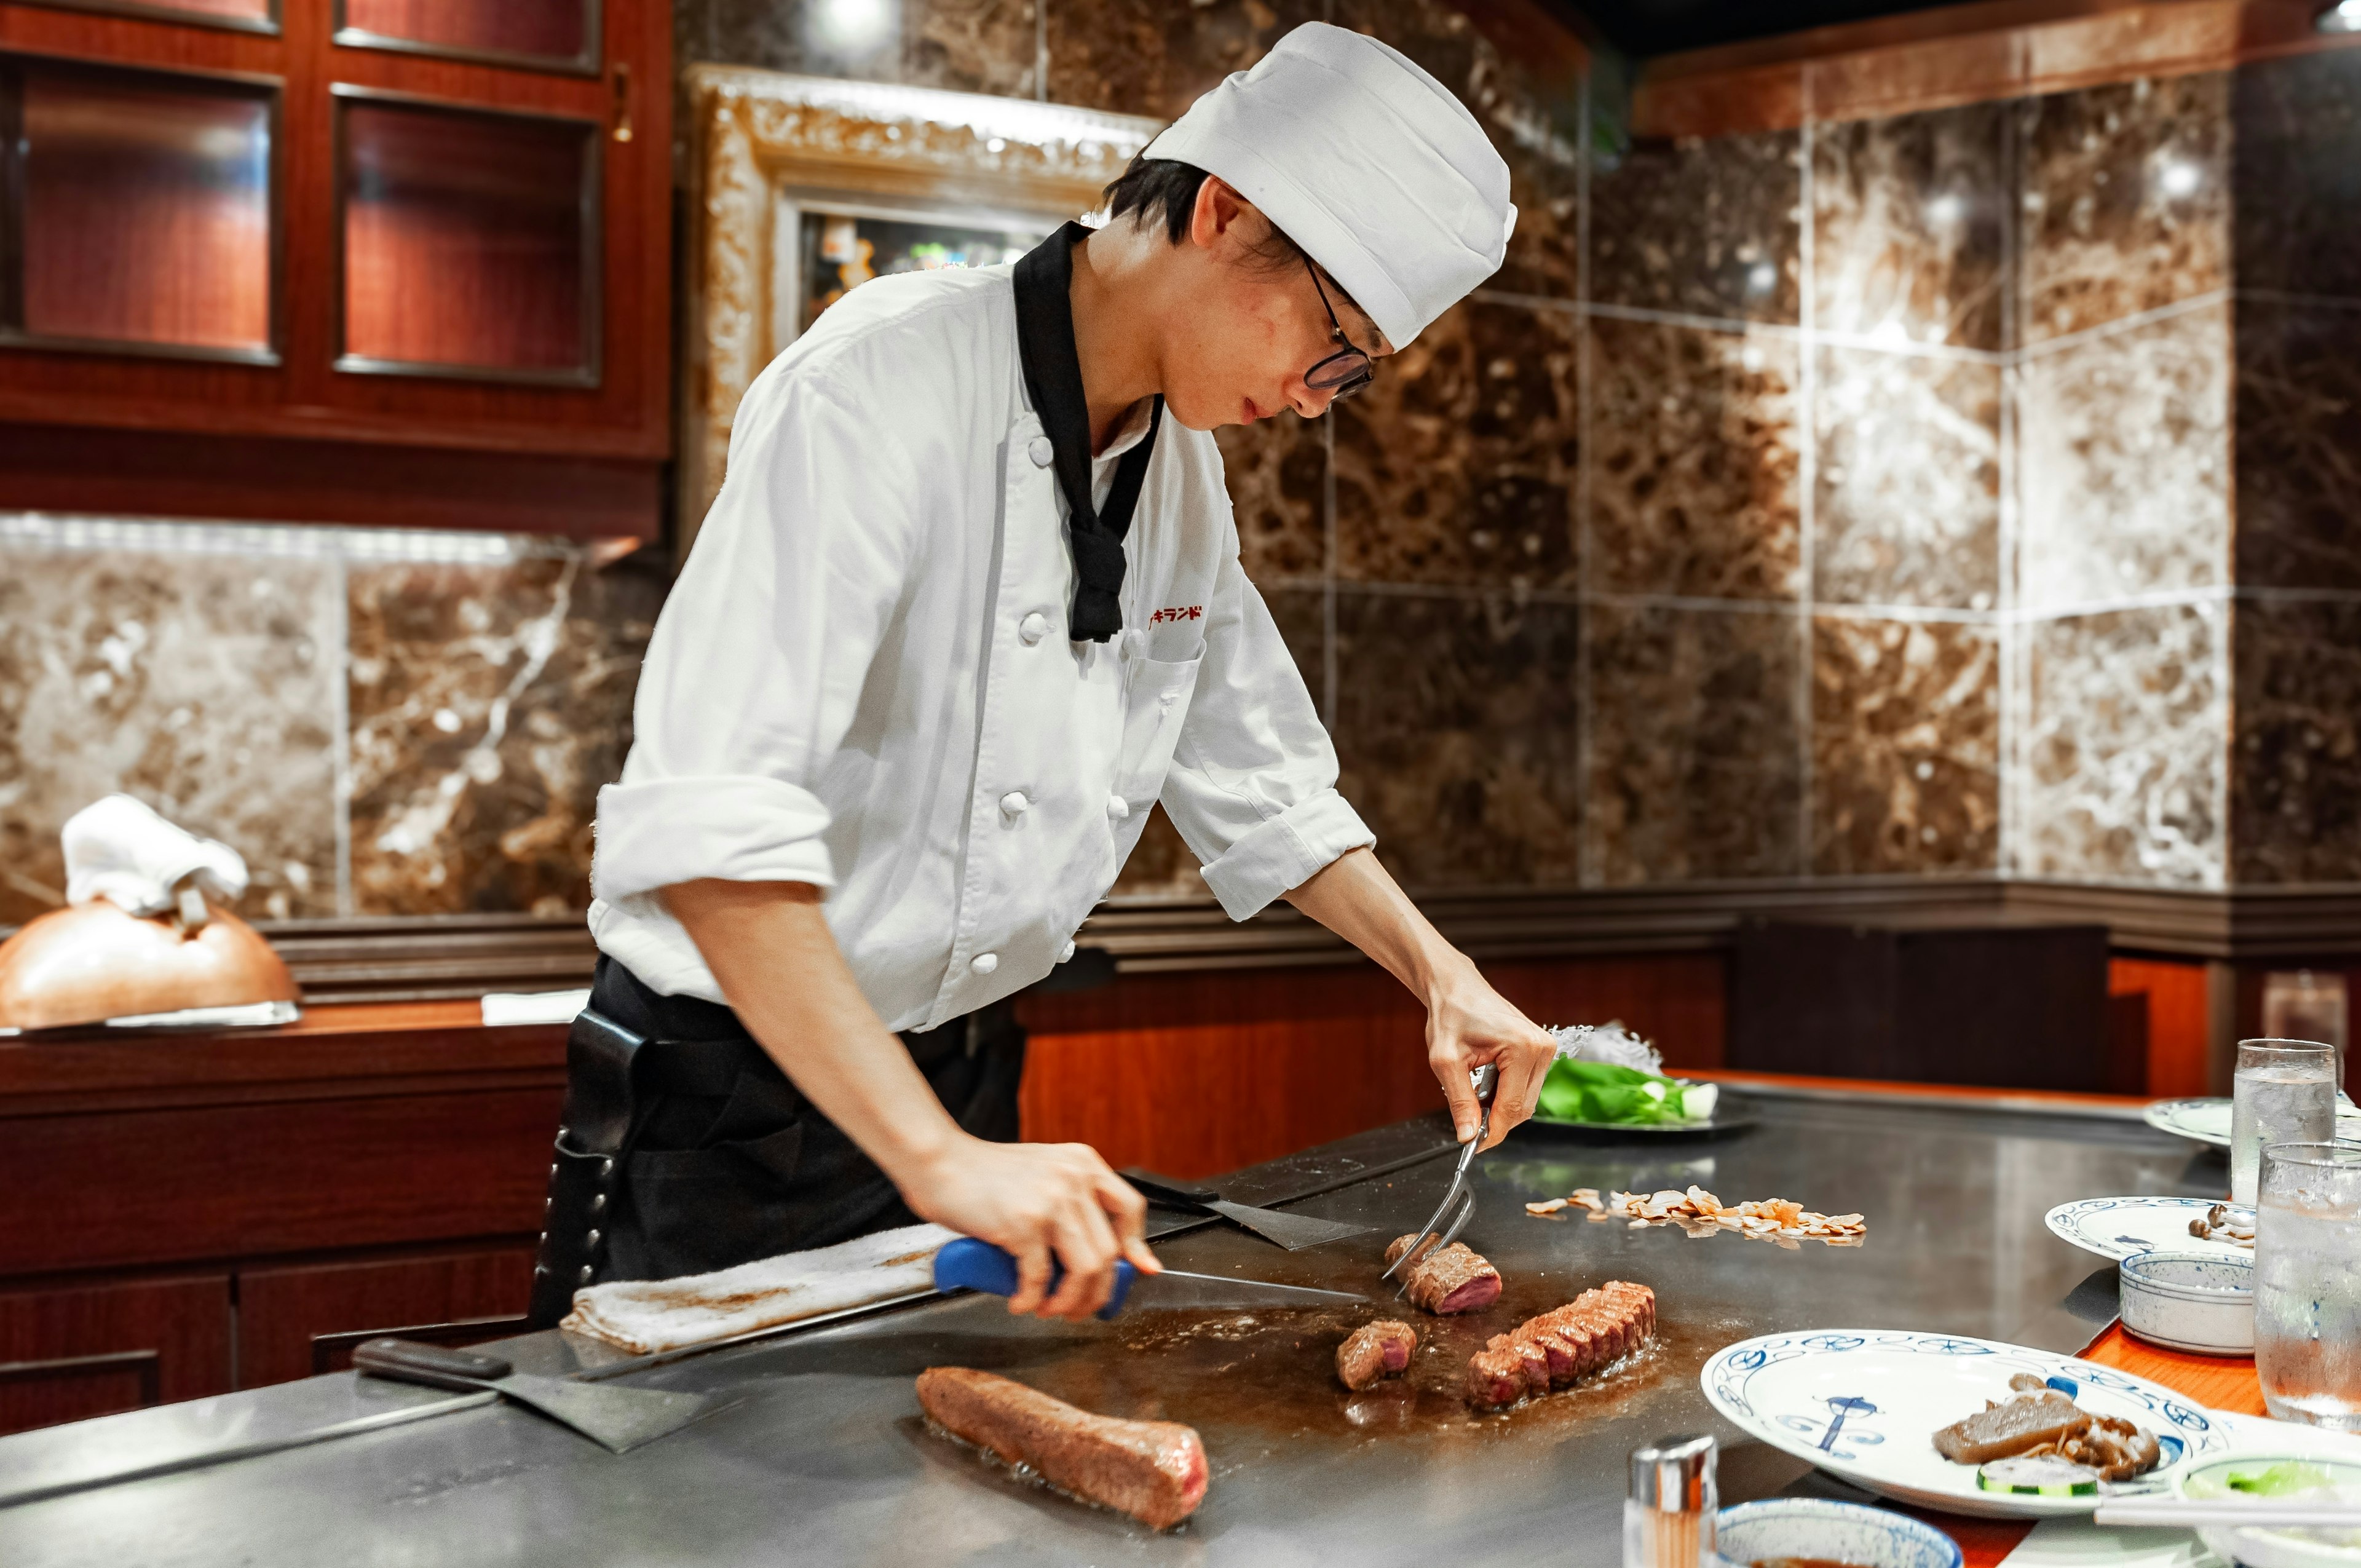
x=2284, y=1091
x=2308, y=1283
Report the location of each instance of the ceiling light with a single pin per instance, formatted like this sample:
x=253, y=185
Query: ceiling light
x=2341, y=16
x=852, y=26
x=2177, y=177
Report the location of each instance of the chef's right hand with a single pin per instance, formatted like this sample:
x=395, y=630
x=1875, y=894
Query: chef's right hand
x=1035, y=1201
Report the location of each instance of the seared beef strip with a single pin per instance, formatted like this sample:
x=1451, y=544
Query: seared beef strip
x=1374, y=1351
x=2025, y=1421
x=1553, y=1349
x=1154, y=1471
x=1450, y=1279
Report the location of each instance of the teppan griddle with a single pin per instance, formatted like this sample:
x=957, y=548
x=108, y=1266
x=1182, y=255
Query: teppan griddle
x=822, y=1457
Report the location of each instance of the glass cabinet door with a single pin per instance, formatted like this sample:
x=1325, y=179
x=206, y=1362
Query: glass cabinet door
x=469, y=242
x=137, y=210
x=560, y=35
x=247, y=16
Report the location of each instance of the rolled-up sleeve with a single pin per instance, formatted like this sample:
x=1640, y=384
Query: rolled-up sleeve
x=1253, y=783
x=757, y=663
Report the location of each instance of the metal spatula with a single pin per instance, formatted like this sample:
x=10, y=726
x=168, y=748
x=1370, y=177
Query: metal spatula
x=618, y=1418
x=1294, y=1232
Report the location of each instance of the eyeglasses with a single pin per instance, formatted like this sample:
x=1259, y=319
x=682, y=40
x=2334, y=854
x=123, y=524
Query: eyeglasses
x=1348, y=370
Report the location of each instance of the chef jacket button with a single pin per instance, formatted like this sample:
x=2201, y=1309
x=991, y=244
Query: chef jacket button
x=591, y=1241
x=1118, y=808
x=1040, y=451
x=1134, y=643
x=985, y=963
x=1033, y=627
x=584, y=1277
x=1065, y=952
x=1015, y=802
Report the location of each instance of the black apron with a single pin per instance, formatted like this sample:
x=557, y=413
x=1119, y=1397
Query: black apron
x=684, y=1149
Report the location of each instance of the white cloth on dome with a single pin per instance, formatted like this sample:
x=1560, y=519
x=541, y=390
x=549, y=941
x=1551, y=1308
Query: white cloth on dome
x=1365, y=160
x=120, y=849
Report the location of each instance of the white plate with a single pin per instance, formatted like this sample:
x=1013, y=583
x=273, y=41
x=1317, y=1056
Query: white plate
x=1864, y=1404
x=2207, y=1121
x=2125, y=1227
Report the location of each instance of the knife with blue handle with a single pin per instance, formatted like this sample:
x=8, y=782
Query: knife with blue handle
x=967, y=1264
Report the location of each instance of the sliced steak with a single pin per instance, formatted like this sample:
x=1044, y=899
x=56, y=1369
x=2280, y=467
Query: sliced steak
x=2025, y=1421
x=1401, y=1244
x=1449, y=1280
x=1496, y=1377
x=1374, y=1351
x=1552, y=1350
x=1154, y=1471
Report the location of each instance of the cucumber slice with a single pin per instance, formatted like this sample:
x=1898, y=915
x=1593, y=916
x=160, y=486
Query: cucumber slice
x=2045, y=1476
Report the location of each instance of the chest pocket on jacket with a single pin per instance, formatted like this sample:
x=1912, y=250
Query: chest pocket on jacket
x=1156, y=701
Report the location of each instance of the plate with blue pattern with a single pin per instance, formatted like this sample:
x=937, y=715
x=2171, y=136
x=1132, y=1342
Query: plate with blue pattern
x=2126, y=1227
x=1864, y=1404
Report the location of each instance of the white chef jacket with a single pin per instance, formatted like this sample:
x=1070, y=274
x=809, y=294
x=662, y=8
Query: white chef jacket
x=862, y=680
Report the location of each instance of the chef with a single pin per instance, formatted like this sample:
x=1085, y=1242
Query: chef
x=967, y=607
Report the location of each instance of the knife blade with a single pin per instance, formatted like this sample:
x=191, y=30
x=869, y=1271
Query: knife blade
x=1294, y=1232
x=972, y=1264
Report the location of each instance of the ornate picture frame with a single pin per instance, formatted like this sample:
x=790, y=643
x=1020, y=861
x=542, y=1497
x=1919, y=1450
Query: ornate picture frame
x=771, y=152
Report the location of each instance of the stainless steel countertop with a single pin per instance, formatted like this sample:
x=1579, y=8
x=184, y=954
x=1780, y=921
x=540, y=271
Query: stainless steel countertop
x=823, y=1457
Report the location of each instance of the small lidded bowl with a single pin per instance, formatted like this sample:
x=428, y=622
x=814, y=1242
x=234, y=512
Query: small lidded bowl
x=2188, y=1300
x=1813, y=1529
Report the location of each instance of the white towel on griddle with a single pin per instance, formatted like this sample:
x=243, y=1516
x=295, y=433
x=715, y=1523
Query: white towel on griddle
x=645, y=1316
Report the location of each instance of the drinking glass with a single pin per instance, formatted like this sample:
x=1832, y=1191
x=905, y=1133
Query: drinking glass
x=2284, y=1091
x=2308, y=1283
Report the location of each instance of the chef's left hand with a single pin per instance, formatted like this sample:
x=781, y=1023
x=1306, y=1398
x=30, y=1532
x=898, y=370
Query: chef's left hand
x=1470, y=1023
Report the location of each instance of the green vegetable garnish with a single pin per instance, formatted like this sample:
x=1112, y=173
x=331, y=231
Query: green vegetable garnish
x=2283, y=1479
x=1599, y=1091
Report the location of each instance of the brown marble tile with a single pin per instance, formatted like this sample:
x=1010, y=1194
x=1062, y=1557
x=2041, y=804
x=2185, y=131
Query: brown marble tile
x=967, y=46
x=1147, y=57
x=1906, y=747
x=1276, y=472
x=2298, y=163
x=2126, y=201
x=1455, y=732
x=2295, y=781
x=1694, y=482
x=201, y=684
x=487, y=705
x=2124, y=758
x=2299, y=445
x=1529, y=104
x=1705, y=227
x=2123, y=463
x=1695, y=750
x=1907, y=488
x=1458, y=463
x=1908, y=221
x=1161, y=864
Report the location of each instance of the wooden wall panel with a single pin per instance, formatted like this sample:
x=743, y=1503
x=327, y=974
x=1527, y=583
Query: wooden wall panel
x=301, y=1321
x=2178, y=1022
x=70, y=1354
x=242, y=1180
x=1191, y=1075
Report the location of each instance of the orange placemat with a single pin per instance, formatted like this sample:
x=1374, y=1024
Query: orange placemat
x=2218, y=1382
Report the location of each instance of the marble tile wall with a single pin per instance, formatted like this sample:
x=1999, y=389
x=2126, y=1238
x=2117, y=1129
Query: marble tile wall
x=381, y=723
x=1802, y=440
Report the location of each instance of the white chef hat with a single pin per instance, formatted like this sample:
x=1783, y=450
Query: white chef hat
x=1367, y=162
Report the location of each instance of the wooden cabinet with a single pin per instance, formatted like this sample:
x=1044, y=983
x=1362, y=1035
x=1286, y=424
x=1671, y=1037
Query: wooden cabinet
x=196, y=1214
x=380, y=257
x=302, y=1320
x=74, y=1351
